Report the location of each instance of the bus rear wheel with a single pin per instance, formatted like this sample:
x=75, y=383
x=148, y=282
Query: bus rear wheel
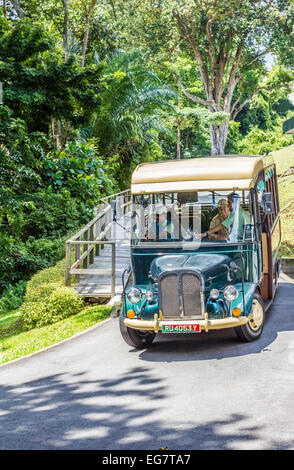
x=136, y=338
x=253, y=329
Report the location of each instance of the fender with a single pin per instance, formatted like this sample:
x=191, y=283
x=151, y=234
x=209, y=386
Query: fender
x=249, y=291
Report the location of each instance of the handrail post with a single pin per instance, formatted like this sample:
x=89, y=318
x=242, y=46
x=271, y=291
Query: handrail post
x=103, y=223
x=97, y=232
x=112, y=269
x=92, y=238
x=86, y=237
x=77, y=256
x=68, y=264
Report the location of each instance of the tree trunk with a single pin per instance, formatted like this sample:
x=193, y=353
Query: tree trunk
x=87, y=30
x=187, y=138
x=179, y=141
x=65, y=30
x=56, y=133
x=18, y=9
x=218, y=138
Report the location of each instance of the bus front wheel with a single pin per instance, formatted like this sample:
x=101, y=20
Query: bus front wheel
x=253, y=329
x=136, y=338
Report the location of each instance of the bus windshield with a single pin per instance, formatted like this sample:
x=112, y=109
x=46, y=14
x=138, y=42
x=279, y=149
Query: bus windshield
x=194, y=218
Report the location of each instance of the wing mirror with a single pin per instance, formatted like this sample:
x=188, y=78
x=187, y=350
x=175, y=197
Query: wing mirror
x=268, y=203
x=234, y=267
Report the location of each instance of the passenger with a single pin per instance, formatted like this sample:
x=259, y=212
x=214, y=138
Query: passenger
x=244, y=219
x=161, y=228
x=223, y=213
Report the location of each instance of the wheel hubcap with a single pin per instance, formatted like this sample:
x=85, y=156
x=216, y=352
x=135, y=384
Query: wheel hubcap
x=256, y=315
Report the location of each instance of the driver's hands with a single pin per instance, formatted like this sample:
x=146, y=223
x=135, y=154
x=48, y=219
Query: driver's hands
x=199, y=236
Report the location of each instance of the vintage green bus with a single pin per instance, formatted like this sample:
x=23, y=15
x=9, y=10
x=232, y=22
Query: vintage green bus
x=204, y=247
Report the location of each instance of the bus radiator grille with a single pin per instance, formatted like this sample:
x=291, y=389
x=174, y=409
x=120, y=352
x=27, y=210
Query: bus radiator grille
x=180, y=295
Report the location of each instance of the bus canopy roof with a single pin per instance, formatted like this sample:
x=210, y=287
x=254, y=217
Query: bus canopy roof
x=210, y=173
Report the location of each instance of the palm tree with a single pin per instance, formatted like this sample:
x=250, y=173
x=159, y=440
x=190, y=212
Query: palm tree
x=133, y=104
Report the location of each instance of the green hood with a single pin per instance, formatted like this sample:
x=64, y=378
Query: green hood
x=212, y=266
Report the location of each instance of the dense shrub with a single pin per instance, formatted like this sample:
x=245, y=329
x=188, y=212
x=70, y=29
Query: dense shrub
x=53, y=214
x=78, y=169
x=40, y=293
x=259, y=142
x=12, y=297
x=50, y=251
x=18, y=260
x=16, y=263
x=54, y=275
x=61, y=303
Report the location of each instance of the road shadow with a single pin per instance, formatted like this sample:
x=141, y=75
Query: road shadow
x=68, y=411
x=220, y=344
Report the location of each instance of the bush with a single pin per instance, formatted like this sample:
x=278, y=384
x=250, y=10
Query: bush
x=78, y=169
x=40, y=293
x=61, y=303
x=54, y=276
x=259, y=142
x=53, y=214
x=12, y=297
x=50, y=251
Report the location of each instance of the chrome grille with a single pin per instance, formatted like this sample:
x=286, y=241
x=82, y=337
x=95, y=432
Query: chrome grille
x=170, y=300
x=180, y=295
x=191, y=294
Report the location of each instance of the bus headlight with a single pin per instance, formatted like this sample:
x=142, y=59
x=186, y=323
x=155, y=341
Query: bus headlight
x=149, y=295
x=214, y=294
x=134, y=295
x=231, y=293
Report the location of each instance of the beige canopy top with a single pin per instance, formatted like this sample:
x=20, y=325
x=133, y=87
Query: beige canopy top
x=219, y=173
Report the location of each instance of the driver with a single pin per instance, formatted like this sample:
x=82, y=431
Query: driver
x=244, y=219
x=223, y=213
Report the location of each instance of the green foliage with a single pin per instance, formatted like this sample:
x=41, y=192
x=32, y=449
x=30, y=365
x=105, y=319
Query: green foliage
x=16, y=263
x=77, y=169
x=61, y=303
x=19, y=261
x=130, y=105
x=131, y=116
x=42, y=197
x=48, y=214
x=49, y=250
x=47, y=300
x=34, y=233
x=259, y=142
x=38, y=84
x=220, y=47
x=41, y=292
x=12, y=297
x=52, y=275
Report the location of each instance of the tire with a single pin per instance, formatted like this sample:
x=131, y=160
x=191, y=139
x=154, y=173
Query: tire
x=253, y=329
x=136, y=338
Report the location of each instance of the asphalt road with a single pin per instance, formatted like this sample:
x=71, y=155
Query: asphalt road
x=205, y=391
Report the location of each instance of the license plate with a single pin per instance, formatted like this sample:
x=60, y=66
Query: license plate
x=181, y=328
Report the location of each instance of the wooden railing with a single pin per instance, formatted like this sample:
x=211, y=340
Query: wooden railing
x=91, y=239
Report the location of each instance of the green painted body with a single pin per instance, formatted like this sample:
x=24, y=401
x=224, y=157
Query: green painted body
x=212, y=262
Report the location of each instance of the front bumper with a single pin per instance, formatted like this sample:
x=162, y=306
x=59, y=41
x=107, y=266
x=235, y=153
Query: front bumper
x=205, y=324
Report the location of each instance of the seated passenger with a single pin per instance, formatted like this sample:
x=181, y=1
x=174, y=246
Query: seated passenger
x=223, y=213
x=243, y=219
x=161, y=228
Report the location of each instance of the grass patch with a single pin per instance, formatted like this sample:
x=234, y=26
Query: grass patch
x=16, y=343
x=284, y=159
x=49, y=314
